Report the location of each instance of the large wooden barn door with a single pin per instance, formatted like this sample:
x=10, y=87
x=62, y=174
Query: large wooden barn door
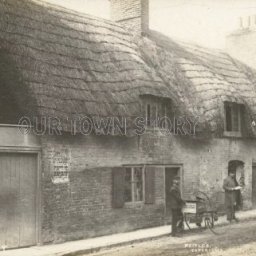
x=18, y=189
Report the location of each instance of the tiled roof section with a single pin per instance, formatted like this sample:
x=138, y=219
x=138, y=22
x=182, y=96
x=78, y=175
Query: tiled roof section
x=74, y=64
x=204, y=78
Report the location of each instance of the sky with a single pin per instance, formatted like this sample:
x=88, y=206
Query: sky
x=205, y=22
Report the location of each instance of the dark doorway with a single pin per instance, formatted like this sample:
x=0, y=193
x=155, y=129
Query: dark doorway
x=170, y=173
x=254, y=186
x=237, y=167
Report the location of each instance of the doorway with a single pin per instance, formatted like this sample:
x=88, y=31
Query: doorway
x=170, y=173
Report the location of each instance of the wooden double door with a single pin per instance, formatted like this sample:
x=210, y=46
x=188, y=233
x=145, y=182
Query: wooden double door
x=18, y=199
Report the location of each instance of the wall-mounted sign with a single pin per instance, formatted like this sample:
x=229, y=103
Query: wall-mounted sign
x=61, y=165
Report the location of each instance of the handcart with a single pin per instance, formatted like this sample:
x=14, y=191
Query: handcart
x=200, y=212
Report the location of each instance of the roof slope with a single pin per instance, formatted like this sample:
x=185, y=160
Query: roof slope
x=73, y=64
x=203, y=78
x=65, y=65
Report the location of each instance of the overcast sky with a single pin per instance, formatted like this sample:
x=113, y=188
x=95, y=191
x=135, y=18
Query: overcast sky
x=205, y=22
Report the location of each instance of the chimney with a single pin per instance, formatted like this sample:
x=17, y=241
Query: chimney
x=249, y=21
x=132, y=14
x=241, y=23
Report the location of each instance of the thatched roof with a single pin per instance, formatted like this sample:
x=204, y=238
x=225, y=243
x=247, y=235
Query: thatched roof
x=73, y=64
x=59, y=63
x=203, y=79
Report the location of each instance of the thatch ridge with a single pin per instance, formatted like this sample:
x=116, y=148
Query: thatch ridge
x=122, y=40
x=41, y=5
x=42, y=38
x=84, y=19
x=64, y=10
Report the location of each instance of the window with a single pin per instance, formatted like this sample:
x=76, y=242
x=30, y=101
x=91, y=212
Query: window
x=157, y=110
x=133, y=184
x=148, y=114
x=164, y=113
x=151, y=114
x=134, y=189
x=233, y=117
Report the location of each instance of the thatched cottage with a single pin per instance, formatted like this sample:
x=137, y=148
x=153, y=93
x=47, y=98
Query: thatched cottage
x=63, y=177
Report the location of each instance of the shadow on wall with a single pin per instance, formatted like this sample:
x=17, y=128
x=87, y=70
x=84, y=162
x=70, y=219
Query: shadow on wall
x=14, y=96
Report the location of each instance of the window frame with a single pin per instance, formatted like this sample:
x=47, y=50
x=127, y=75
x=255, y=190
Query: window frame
x=156, y=105
x=153, y=114
x=132, y=168
x=232, y=106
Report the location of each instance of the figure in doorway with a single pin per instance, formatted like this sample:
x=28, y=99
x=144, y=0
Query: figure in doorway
x=231, y=187
x=176, y=204
x=240, y=182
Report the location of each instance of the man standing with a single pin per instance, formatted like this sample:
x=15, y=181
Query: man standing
x=176, y=205
x=230, y=187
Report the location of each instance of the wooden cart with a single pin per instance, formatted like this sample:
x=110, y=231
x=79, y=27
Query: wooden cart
x=200, y=212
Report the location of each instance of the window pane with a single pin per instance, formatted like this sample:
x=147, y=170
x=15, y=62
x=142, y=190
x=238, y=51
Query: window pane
x=154, y=115
x=148, y=115
x=161, y=115
x=165, y=115
x=228, y=117
x=138, y=184
x=128, y=185
x=235, y=117
x=161, y=109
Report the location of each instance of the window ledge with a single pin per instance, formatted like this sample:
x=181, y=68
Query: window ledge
x=232, y=134
x=134, y=204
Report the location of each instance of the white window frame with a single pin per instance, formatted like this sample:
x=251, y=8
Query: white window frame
x=233, y=133
x=133, y=185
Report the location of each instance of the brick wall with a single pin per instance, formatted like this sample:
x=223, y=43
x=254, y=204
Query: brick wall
x=133, y=14
x=205, y=162
x=82, y=208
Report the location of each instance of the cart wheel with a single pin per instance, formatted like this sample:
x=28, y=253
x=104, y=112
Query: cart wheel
x=180, y=226
x=187, y=220
x=209, y=222
x=214, y=217
x=199, y=221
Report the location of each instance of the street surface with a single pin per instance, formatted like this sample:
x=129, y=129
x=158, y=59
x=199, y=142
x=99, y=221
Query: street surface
x=234, y=240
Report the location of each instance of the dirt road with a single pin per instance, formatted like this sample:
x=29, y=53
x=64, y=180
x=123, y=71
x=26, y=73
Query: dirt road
x=236, y=240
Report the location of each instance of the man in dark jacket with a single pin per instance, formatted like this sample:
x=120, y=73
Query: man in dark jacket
x=230, y=187
x=176, y=205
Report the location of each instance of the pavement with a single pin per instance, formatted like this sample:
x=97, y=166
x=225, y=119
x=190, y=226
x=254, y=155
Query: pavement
x=104, y=242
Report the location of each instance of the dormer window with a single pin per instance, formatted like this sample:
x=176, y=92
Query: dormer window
x=156, y=111
x=233, y=117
